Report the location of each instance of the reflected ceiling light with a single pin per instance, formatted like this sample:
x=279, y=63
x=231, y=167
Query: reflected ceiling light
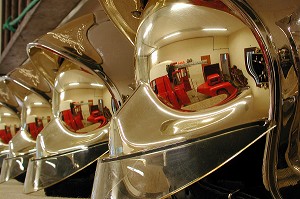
x=74, y=84
x=7, y=114
x=139, y=51
x=136, y=170
x=61, y=74
x=172, y=35
x=154, y=57
x=179, y=6
x=62, y=96
x=38, y=103
x=149, y=27
x=51, y=164
x=207, y=120
x=32, y=150
x=20, y=165
x=28, y=111
x=21, y=84
x=96, y=84
x=214, y=29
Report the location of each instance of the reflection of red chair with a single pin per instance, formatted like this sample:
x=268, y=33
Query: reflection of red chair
x=215, y=86
x=180, y=86
x=177, y=95
x=71, y=115
x=5, y=133
x=77, y=115
x=35, y=125
x=96, y=117
x=161, y=85
x=165, y=90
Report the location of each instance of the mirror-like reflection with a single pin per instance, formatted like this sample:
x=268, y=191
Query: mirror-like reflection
x=37, y=112
x=7, y=97
x=21, y=145
x=31, y=93
x=28, y=76
x=82, y=100
x=202, y=75
x=195, y=57
x=10, y=124
x=125, y=15
x=287, y=167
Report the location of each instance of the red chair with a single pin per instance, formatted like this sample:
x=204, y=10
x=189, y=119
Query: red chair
x=35, y=125
x=96, y=117
x=215, y=86
x=5, y=133
x=67, y=108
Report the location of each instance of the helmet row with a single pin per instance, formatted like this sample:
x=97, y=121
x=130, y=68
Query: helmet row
x=212, y=79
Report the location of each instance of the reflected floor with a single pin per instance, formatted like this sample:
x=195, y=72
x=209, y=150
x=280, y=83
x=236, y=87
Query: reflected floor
x=205, y=103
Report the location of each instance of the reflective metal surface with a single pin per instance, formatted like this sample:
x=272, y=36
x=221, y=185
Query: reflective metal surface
x=9, y=126
x=46, y=172
x=161, y=173
x=169, y=126
x=14, y=167
x=70, y=39
x=35, y=114
x=86, y=41
x=28, y=76
x=281, y=173
x=290, y=25
x=10, y=119
x=125, y=15
x=186, y=81
x=7, y=97
x=200, y=78
x=73, y=58
x=3, y=152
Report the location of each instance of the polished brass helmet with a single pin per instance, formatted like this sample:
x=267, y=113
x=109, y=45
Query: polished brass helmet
x=9, y=126
x=25, y=90
x=87, y=84
x=214, y=78
x=125, y=15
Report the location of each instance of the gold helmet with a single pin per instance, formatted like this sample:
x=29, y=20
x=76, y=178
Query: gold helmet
x=211, y=83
